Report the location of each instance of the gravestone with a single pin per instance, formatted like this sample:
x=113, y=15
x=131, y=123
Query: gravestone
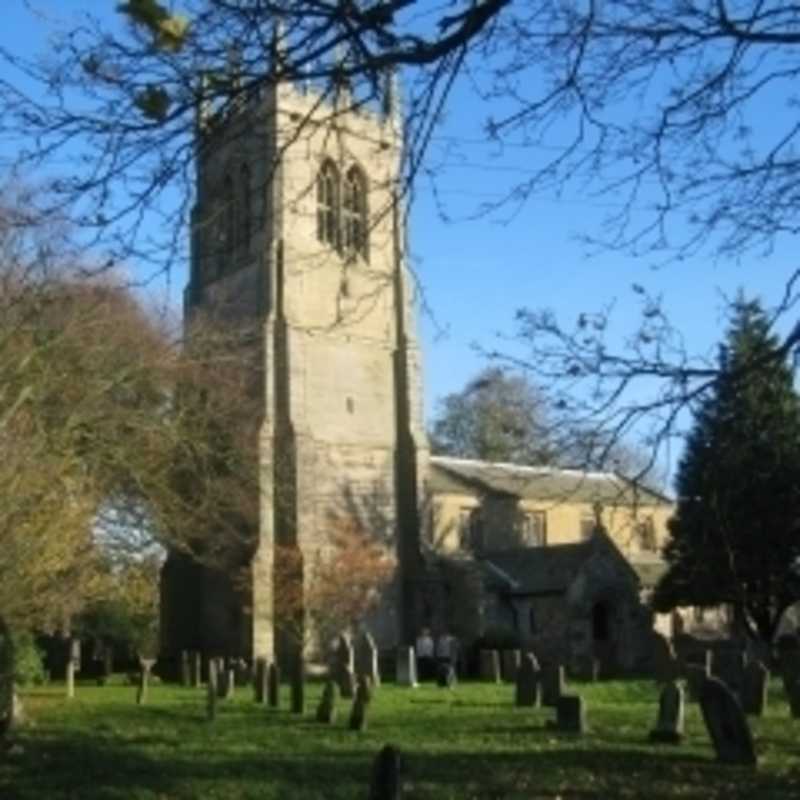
x=222, y=678
x=570, y=714
x=358, y=713
x=406, y=669
x=366, y=658
x=273, y=685
x=664, y=663
x=490, y=666
x=386, y=783
x=344, y=652
x=793, y=695
x=230, y=683
x=726, y=723
x=346, y=680
x=211, y=691
x=527, y=688
x=729, y=666
x=144, y=678
x=670, y=723
x=367, y=687
x=510, y=664
x=754, y=688
x=260, y=684
x=446, y=675
x=552, y=683
x=696, y=675
x=186, y=677
x=196, y=669
x=326, y=710
x=298, y=686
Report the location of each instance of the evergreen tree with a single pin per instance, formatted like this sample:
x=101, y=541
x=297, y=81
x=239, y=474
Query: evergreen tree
x=735, y=537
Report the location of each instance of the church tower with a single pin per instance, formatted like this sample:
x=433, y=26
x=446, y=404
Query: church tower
x=298, y=230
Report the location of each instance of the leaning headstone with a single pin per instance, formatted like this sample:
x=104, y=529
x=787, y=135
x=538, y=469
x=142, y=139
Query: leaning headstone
x=386, y=781
x=273, y=685
x=527, y=688
x=570, y=714
x=326, y=710
x=144, y=678
x=298, y=686
x=196, y=663
x=366, y=658
x=754, y=688
x=490, y=666
x=510, y=660
x=260, y=688
x=664, y=662
x=726, y=723
x=358, y=713
x=211, y=691
x=406, y=668
x=552, y=683
x=446, y=675
x=669, y=726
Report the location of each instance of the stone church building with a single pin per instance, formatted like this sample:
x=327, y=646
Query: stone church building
x=299, y=229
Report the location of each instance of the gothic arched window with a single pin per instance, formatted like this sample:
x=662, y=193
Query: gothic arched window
x=246, y=208
x=354, y=213
x=328, y=205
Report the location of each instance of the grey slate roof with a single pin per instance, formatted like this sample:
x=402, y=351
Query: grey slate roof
x=460, y=476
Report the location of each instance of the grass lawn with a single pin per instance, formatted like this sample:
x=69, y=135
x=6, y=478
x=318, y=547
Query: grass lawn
x=469, y=743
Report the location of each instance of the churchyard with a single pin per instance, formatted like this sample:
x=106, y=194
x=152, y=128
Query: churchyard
x=469, y=741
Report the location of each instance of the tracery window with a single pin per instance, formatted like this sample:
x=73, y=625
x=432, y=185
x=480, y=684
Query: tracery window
x=354, y=213
x=328, y=205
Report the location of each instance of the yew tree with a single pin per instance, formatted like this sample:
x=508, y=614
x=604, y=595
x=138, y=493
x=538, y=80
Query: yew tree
x=735, y=536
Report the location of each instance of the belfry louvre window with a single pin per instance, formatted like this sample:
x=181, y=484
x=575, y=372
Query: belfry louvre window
x=354, y=213
x=328, y=205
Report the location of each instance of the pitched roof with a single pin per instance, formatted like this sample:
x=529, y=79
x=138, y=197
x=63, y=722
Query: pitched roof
x=460, y=475
x=550, y=569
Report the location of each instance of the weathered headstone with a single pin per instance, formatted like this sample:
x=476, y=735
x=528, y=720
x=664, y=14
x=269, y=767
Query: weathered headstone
x=196, y=662
x=345, y=680
x=669, y=726
x=726, y=723
x=365, y=682
x=230, y=683
x=490, y=666
x=793, y=695
x=406, y=669
x=510, y=660
x=344, y=652
x=260, y=684
x=527, y=688
x=552, y=683
x=211, y=691
x=729, y=667
x=664, y=662
x=570, y=714
x=446, y=675
x=273, y=685
x=298, y=687
x=358, y=713
x=386, y=781
x=144, y=679
x=70, y=678
x=326, y=710
x=366, y=658
x=754, y=688
x=186, y=677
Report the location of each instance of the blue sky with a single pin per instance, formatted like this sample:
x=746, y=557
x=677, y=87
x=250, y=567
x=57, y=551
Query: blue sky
x=477, y=273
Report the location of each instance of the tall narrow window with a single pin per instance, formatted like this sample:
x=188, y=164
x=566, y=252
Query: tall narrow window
x=328, y=205
x=245, y=208
x=354, y=213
